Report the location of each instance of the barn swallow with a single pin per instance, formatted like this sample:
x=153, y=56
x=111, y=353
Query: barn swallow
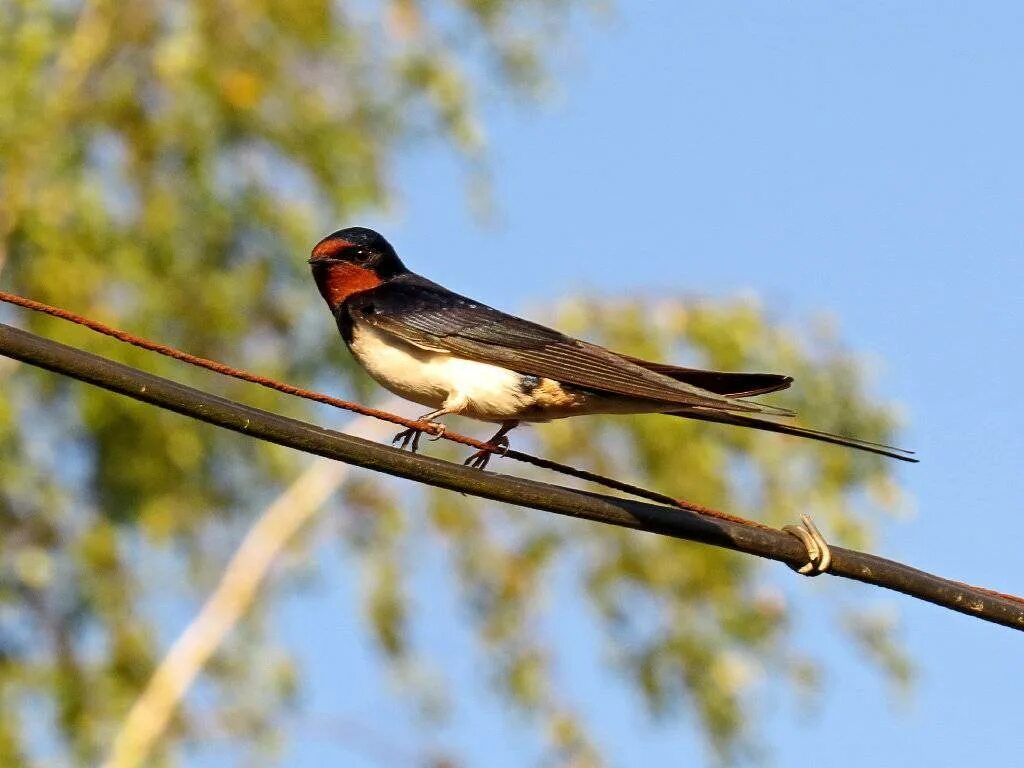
x=456, y=355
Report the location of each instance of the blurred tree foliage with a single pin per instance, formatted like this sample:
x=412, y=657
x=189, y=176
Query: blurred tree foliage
x=164, y=167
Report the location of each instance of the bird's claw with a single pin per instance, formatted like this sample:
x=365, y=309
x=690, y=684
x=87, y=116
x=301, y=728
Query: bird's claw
x=410, y=439
x=481, y=458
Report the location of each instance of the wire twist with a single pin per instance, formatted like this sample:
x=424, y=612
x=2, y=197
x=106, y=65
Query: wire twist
x=819, y=555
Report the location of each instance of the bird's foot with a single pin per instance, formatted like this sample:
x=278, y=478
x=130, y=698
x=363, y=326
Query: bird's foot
x=410, y=439
x=481, y=458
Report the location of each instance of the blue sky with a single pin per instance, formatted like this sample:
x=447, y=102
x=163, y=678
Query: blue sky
x=862, y=159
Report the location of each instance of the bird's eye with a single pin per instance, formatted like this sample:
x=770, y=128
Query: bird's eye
x=360, y=255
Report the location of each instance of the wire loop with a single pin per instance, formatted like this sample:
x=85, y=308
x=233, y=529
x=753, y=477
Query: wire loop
x=819, y=556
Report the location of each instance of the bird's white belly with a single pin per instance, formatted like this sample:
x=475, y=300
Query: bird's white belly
x=437, y=379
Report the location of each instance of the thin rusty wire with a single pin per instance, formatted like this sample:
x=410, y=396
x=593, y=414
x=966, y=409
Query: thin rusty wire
x=455, y=437
x=347, y=405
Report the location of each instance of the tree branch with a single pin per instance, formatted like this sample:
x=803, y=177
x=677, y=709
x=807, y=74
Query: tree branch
x=669, y=521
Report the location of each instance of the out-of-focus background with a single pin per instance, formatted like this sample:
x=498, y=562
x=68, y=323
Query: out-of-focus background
x=833, y=191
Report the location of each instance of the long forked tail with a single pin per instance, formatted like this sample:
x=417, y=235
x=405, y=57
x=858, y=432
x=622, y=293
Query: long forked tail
x=722, y=417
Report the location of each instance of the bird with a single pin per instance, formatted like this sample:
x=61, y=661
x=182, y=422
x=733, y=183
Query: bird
x=457, y=355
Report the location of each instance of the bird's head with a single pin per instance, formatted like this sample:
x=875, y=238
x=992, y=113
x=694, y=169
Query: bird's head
x=352, y=260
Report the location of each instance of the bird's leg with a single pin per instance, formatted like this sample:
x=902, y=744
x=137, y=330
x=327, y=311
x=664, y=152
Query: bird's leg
x=480, y=459
x=411, y=437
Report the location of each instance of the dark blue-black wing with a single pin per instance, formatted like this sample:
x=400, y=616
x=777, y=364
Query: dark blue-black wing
x=720, y=382
x=429, y=316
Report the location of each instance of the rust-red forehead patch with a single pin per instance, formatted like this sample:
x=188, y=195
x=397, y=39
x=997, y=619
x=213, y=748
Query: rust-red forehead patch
x=325, y=249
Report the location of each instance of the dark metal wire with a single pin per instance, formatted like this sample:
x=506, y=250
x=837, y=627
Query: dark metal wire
x=737, y=535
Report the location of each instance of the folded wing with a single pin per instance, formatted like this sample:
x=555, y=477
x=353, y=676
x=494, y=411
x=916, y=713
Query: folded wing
x=427, y=315
x=720, y=382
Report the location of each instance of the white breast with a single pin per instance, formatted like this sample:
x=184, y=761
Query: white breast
x=437, y=379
